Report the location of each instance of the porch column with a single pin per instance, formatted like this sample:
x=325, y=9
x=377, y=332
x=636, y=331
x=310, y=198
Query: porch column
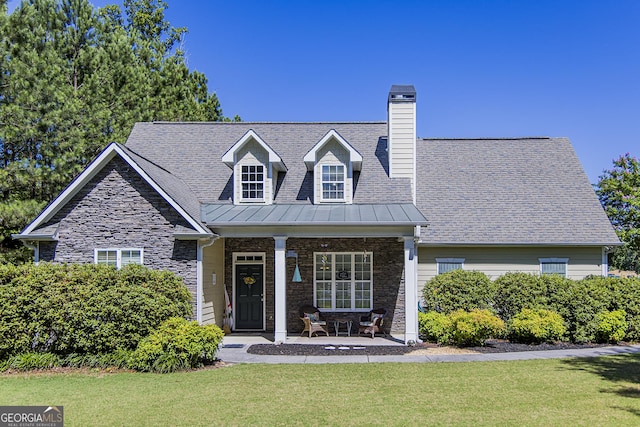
x=280, y=303
x=410, y=290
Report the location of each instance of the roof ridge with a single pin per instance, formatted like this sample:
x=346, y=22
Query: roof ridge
x=266, y=123
x=485, y=138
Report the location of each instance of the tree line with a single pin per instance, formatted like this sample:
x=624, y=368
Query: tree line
x=74, y=78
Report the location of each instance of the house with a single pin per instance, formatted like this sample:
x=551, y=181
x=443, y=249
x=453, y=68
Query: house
x=347, y=216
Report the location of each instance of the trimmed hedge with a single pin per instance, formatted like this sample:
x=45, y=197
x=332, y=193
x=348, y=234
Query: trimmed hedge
x=579, y=302
x=84, y=308
x=459, y=290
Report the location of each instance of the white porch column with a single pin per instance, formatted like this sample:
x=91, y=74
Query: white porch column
x=280, y=273
x=202, y=243
x=410, y=290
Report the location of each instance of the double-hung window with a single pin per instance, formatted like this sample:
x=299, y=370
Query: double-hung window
x=343, y=281
x=118, y=257
x=333, y=179
x=554, y=266
x=449, y=264
x=252, y=183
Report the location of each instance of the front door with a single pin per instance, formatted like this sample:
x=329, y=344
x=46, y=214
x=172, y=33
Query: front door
x=249, y=296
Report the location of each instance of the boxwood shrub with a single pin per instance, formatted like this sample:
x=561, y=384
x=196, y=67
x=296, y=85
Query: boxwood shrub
x=178, y=344
x=469, y=328
x=459, y=290
x=87, y=309
x=611, y=326
x=434, y=327
x=536, y=326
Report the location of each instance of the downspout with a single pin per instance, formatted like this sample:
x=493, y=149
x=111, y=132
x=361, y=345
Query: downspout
x=202, y=243
x=35, y=247
x=606, y=250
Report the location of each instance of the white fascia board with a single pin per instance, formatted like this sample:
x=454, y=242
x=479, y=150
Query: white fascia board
x=90, y=171
x=228, y=158
x=354, y=156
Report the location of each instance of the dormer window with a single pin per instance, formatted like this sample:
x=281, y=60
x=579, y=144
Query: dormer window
x=252, y=183
x=255, y=168
x=333, y=183
x=333, y=162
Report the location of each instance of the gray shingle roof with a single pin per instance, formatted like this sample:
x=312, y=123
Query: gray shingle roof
x=511, y=191
x=192, y=152
x=174, y=186
x=507, y=191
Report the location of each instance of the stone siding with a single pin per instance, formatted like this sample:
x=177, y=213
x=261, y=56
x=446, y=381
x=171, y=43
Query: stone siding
x=118, y=209
x=388, y=276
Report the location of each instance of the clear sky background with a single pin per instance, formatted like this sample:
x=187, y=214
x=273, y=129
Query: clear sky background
x=481, y=68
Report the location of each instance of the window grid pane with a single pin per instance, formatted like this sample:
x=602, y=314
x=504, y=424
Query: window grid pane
x=108, y=257
x=445, y=267
x=130, y=256
x=343, y=295
x=335, y=283
x=559, y=268
x=333, y=182
x=323, y=295
x=253, y=182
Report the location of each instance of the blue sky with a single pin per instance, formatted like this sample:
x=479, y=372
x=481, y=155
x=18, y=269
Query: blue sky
x=492, y=68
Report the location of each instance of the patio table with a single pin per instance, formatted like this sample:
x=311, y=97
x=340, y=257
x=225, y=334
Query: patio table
x=348, y=323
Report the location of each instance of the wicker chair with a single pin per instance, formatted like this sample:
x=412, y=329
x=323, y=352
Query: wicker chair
x=310, y=316
x=372, y=322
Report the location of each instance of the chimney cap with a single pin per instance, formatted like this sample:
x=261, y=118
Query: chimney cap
x=402, y=93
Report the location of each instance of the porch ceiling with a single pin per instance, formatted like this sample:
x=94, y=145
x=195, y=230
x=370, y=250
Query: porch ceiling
x=392, y=215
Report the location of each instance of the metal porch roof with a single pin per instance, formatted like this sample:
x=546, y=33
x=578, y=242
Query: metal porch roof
x=406, y=214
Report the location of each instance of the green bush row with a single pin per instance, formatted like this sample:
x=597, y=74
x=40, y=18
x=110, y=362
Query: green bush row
x=178, y=344
x=581, y=303
x=460, y=327
x=66, y=309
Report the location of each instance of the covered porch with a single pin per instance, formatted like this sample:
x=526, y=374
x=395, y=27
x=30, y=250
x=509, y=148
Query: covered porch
x=345, y=266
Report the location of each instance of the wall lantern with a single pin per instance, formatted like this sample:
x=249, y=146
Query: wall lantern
x=296, y=273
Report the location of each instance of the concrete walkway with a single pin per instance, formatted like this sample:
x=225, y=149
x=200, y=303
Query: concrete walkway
x=234, y=350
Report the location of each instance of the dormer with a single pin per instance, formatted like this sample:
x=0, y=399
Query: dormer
x=255, y=169
x=333, y=161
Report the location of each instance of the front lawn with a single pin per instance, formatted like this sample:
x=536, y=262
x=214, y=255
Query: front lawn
x=599, y=391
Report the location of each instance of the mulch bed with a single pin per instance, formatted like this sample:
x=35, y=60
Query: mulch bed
x=491, y=346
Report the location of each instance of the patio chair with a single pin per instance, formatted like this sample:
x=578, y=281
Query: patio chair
x=372, y=322
x=310, y=316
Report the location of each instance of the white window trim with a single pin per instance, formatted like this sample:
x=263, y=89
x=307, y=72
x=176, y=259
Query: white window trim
x=264, y=183
x=118, y=252
x=557, y=261
x=344, y=182
x=449, y=261
x=353, y=281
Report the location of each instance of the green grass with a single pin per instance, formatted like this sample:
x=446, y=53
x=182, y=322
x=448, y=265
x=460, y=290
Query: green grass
x=600, y=391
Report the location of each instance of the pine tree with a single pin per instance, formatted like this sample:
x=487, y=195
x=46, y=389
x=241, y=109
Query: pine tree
x=72, y=80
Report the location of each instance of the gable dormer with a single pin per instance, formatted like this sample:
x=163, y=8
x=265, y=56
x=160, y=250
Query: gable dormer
x=255, y=169
x=333, y=161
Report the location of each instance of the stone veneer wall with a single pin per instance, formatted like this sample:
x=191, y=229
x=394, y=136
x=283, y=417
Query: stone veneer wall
x=388, y=275
x=118, y=209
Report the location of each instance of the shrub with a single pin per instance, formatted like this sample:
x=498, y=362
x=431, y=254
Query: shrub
x=88, y=309
x=459, y=290
x=434, y=327
x=536, y=326
x=611, y=326
x=177, y=344
x=474, y=327
x=32, y=361
x=116, y=359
